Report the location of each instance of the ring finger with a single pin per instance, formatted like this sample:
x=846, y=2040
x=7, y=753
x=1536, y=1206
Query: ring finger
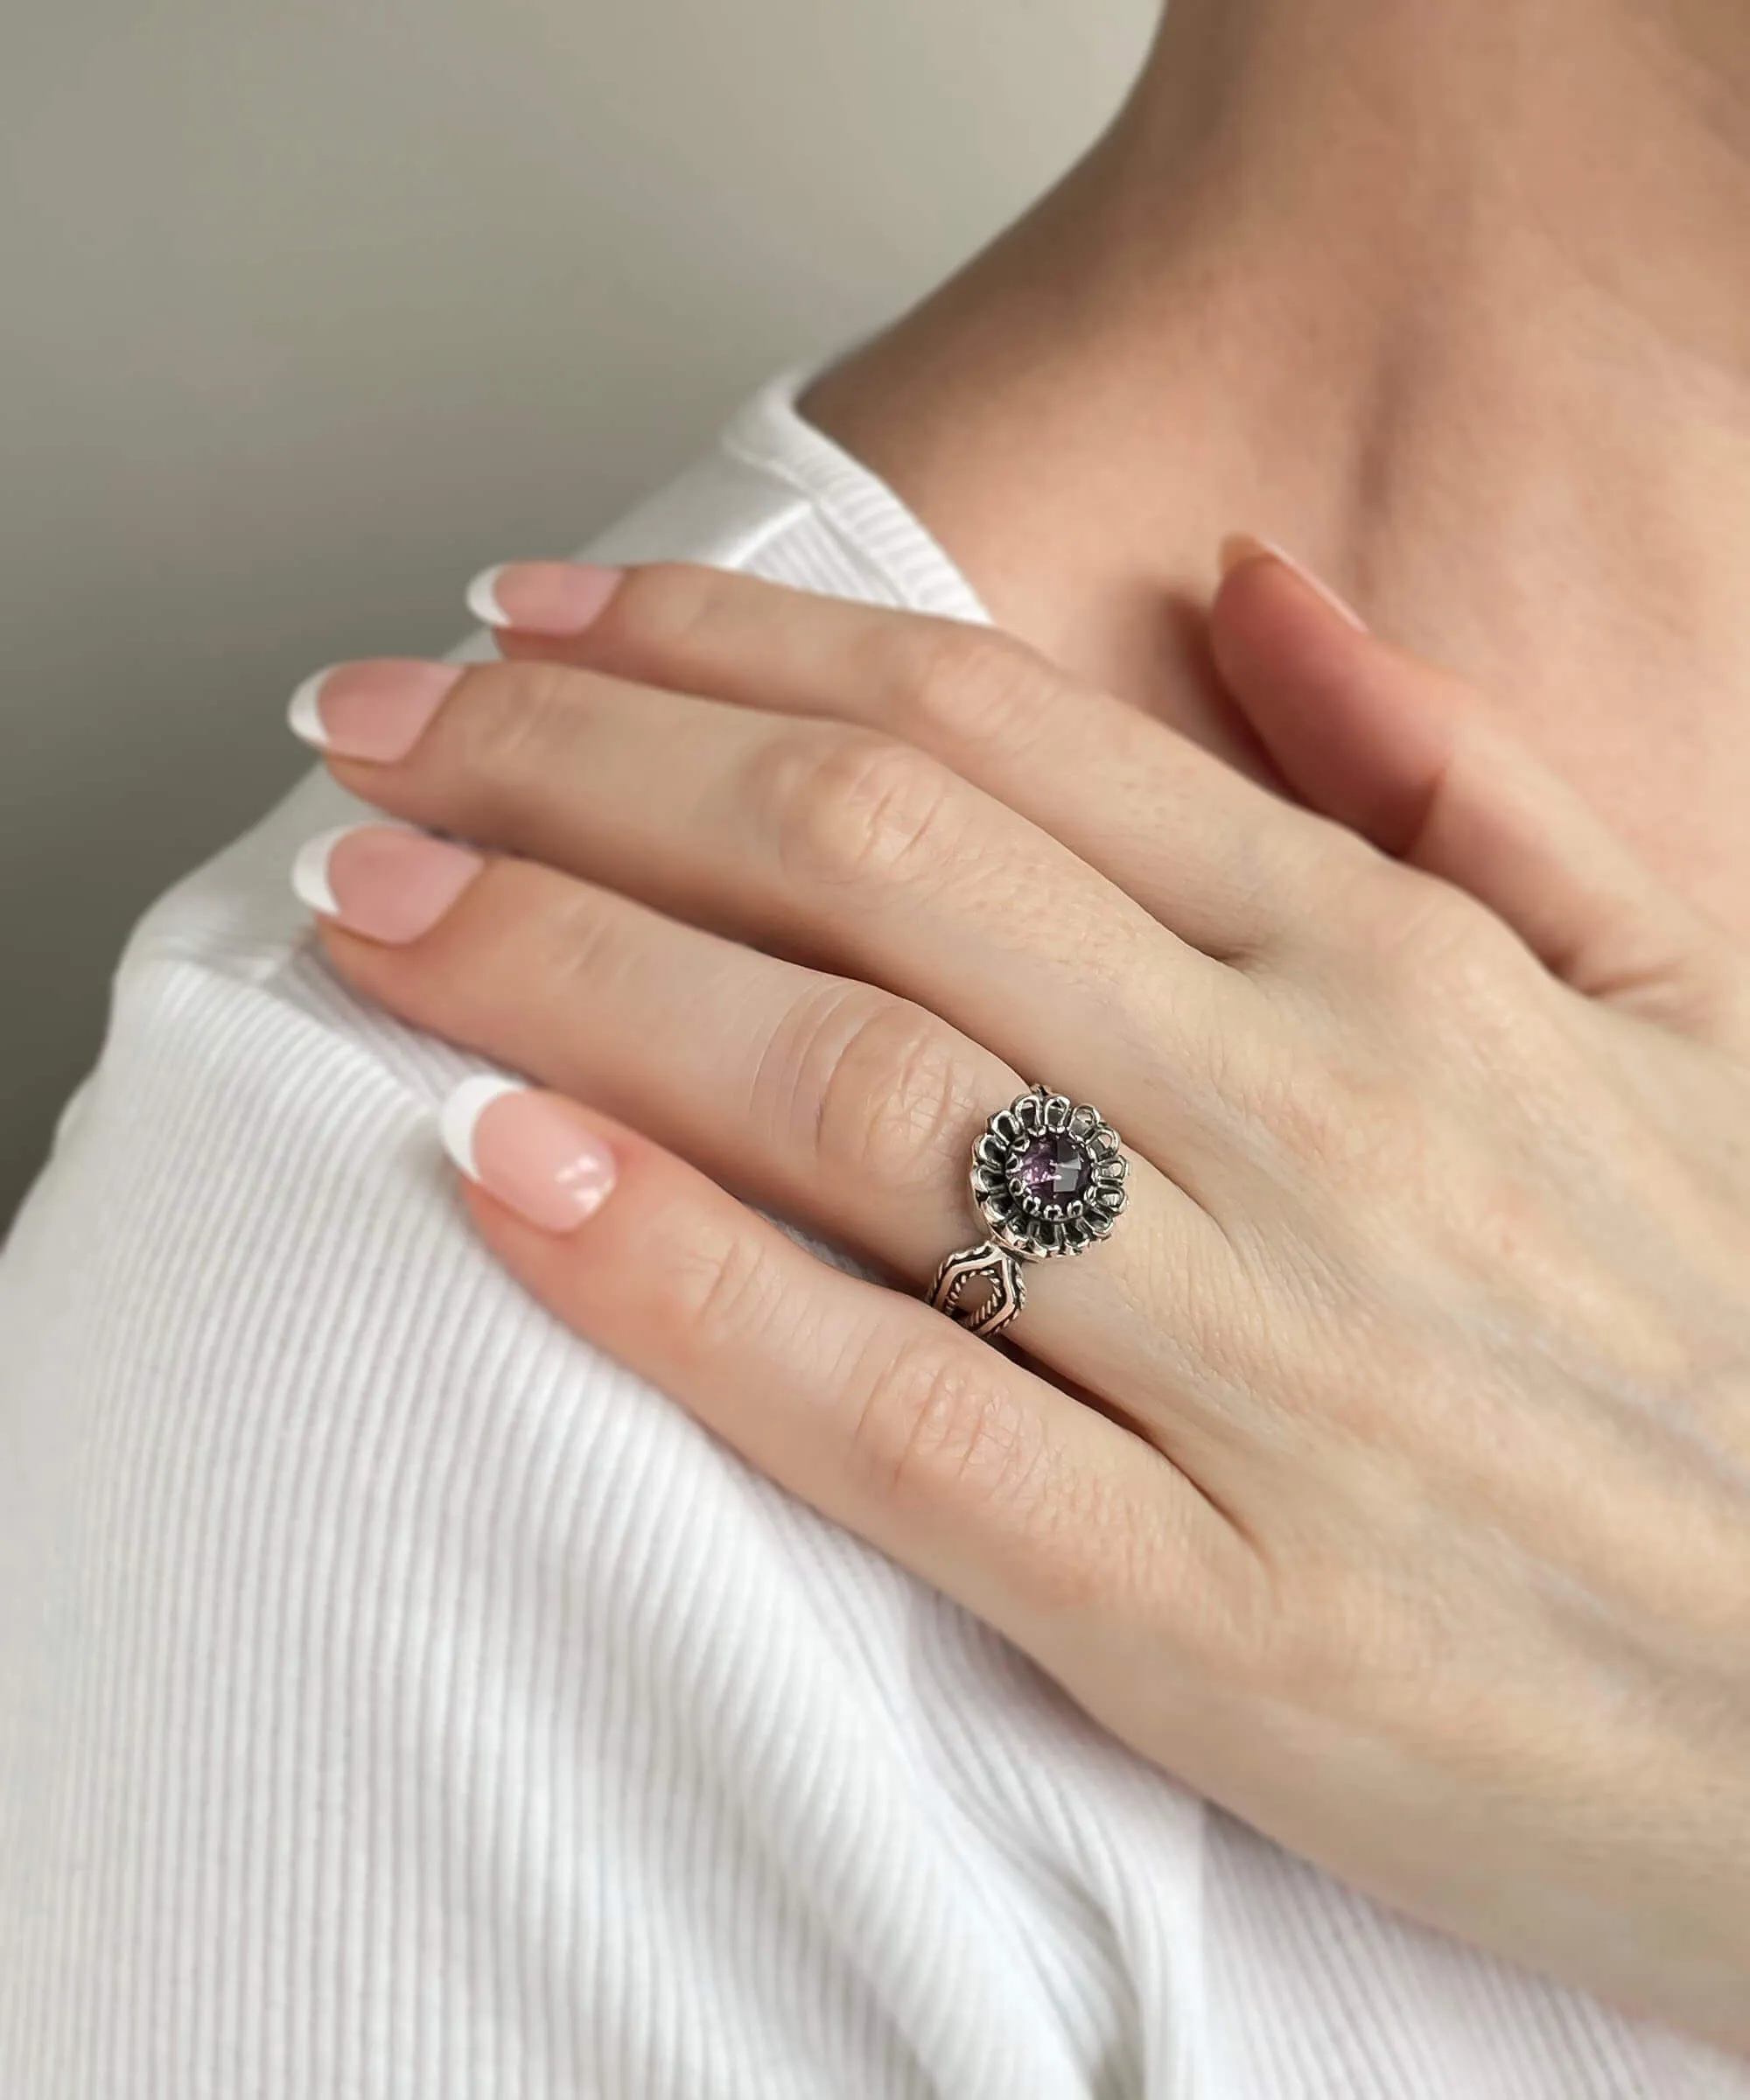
x=848, y=1109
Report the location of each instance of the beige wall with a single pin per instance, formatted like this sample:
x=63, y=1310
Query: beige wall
x=312, y=308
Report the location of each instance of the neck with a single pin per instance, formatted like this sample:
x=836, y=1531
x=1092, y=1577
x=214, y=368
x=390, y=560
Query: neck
x=1452, y=301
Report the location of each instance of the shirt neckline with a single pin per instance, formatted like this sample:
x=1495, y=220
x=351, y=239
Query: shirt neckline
x=769, y=431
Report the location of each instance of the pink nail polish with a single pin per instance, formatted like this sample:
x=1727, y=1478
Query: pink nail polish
x=557, y=599
x=375, y=709
x=534, y=1150
x=381, y=880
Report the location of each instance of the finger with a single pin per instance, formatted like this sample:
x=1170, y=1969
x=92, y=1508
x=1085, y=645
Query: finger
x=1031, y=1510
x=1221, y=860
x=853, y=851
x=829, y=1103
x=1406, y=754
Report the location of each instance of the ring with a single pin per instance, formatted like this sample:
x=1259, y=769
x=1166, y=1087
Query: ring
x=1048, y=1179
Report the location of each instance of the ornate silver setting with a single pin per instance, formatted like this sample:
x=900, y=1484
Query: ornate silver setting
x=1048, y=1179
x=981, y=1287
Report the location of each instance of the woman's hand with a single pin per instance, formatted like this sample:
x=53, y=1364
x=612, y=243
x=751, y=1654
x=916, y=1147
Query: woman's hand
x=1386, y=1475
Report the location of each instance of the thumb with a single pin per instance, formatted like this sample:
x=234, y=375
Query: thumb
x=1405, y=753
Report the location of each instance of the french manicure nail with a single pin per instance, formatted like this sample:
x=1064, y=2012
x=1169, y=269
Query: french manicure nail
x=375, y=709
x=533, y=1151
x=385, y=881
x=556, y=599
x=1239, y=546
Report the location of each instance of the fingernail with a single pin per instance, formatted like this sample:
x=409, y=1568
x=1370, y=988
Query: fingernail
x=543, y=597
x=381, y=880
x=375, y=709
x=1245, y=546
x=533, y=1151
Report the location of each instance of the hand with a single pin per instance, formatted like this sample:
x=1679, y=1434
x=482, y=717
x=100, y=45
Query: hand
x=1386, y=1475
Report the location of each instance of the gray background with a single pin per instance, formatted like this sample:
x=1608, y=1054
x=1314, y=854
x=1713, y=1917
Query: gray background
x=312, y=309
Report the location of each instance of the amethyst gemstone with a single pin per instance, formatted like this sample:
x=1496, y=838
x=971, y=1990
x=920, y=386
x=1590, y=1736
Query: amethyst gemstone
x=1053, y=1170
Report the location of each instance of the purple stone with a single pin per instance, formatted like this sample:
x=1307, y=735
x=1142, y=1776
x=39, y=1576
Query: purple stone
x=1053, y=1170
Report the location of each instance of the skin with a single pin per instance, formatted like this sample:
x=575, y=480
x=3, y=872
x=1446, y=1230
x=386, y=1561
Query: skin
x=1386, y=1475
x=1449, y=299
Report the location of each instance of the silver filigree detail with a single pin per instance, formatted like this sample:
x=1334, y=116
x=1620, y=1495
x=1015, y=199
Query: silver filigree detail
x=1048, y=1179
x=1048, y=1176
x=981, y=1287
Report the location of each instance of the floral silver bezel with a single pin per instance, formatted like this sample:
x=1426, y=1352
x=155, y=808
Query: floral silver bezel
x=1038, y=1226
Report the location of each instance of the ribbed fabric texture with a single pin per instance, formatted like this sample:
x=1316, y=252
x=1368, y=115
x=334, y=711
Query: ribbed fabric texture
x=398, y=1701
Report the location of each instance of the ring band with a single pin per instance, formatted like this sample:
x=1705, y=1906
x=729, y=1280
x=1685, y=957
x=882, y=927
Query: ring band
x=1048, y=1179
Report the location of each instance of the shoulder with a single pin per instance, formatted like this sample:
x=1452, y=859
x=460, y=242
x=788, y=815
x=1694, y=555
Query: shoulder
x=358, y=1608
x=234, y=922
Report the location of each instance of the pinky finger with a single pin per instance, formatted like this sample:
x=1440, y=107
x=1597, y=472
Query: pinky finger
x=1031, y=1509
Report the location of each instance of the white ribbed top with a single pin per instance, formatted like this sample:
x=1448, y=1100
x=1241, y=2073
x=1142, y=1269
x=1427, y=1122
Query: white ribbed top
x=399, y=1700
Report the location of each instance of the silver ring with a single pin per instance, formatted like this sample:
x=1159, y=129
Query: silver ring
x=1048, y=1179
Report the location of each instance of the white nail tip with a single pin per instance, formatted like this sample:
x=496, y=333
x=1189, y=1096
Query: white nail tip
x=483, y=597
x=462, y=1111
x=310, y=882
x=303, y=712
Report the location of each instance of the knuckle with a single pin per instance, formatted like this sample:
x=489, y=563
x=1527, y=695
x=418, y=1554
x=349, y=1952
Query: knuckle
x=889, y=1098
x=942, y=1433
x=518, y=723
x=1321, y=1630
x=1719, y=1011
x=662, y=605
x=578, y=940
x=1429, y=947
x=1095, y=1555
x=936, y=1426
x=850, y=807
x=1334, y=1636
x=582, y=953
x=875, y=1087
x=1448, y=990
x=1337, y=878
x=960, y=684
x=720, y=1291
x=1345, y=1126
